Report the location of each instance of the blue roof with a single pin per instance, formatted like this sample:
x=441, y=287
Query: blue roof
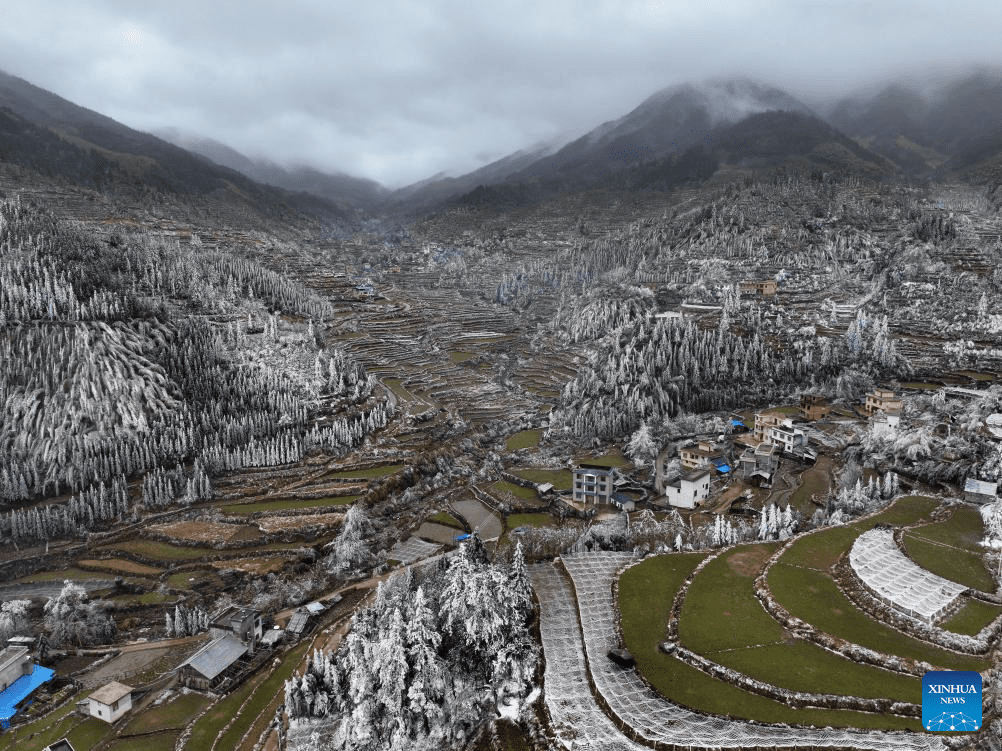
x=737, y=422
x=460, y=538
x=722, y=467
x=20, y=689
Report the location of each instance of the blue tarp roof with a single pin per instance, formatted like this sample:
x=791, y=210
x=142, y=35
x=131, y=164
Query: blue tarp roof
x=722, y=467
x=20, y=689
x=737, y=422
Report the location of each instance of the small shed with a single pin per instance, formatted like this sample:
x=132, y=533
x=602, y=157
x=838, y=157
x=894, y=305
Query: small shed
x=110, y=702
x=210, y=665
x=298, y=623
x=979, y=491
x=315, y=608
x=61, y=745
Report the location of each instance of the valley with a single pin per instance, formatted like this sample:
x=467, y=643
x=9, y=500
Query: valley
x=597, y=463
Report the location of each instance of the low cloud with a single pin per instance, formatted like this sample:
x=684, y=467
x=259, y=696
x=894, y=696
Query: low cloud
x=397, y=91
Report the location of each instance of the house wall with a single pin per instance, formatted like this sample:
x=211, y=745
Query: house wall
x=113, y=712
x=16, y=669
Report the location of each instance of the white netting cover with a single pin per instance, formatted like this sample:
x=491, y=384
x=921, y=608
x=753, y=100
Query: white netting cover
x=580, y=720
x=893, y=576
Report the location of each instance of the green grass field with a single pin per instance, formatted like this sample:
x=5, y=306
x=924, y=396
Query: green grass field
x=122, y=566
x=160, y=551
x=813, y=482
x=514, y=521
x=447, y=519
x=367, y=474
x=722, y=619
x=157, y=742
x=952, y=549
x=973, y=617
x=251, y=508
x=820, y=550
x=559, y=478
x=502, y=487
x=458, y=357
x=612, y=459
x=813, y=597
x=171, y=715
x=524, y=439
x=73, y=574
x=645, y=596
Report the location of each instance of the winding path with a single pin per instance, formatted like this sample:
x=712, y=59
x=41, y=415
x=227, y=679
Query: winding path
x=649, y=716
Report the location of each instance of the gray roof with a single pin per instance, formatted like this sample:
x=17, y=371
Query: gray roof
x=110, y=693
x=216, y=656
x=315, y=608
x=272, y=635
x=63, y=745
x=297, y=623
x=980, y=486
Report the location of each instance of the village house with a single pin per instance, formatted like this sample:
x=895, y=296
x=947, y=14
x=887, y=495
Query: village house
x=759, y=464
x=60, y=745
x=885, y=423
x=689, y=490
x=212, y=664
x=592, y=483
x=814, y=407
x=764, y=421
x=110, y=702
x=19, y=677
x=979, y=491
x=753, y=287
x=243, y=623
x=882, y=400
x=700, y=455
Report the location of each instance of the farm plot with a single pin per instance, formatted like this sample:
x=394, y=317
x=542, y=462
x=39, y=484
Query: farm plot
x=952, y=549
x=121, y=566
x=813, y=597
x=412, y=549
x=884, y=569
x=658, y=721
x=294, y=504
x=271, y=524
x=206, y=532
x=722, y=619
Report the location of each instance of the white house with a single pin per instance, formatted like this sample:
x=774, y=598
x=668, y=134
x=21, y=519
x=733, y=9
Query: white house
x=110, y=702
x=689, y=490
x=592, y=483
x=884, y=423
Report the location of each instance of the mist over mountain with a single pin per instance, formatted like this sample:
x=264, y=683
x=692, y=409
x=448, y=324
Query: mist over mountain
x=46, y=133
x=957, y=127
x=340, y=188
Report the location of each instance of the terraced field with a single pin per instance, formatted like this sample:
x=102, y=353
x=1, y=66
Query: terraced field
x=735, y=657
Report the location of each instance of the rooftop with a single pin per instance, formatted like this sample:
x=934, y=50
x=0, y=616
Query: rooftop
x=20, y=689
x=63, y=745
x=594, y=468
x=111, y=693
x=11, y=654
x=980, y=486
x=216, y=656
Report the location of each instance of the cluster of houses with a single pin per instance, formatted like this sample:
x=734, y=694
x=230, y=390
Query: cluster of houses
x=776, y=433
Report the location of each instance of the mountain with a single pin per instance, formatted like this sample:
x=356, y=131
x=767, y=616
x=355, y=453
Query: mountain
x=956, y=128
x=678, y=134
x=57, y=138
x=340, y=188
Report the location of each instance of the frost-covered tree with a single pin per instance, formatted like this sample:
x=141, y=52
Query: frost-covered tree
x=13, y=618
x=74, y=620
x=349, y=550
x=641, y=447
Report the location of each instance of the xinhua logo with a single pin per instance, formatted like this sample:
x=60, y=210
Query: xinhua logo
x=951, y=701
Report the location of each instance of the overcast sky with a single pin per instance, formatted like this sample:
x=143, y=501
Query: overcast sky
x=397, y=90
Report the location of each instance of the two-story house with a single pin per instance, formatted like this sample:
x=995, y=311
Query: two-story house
x=689, y=490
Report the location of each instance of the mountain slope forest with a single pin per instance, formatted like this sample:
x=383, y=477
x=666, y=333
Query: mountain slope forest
x=138, y=355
